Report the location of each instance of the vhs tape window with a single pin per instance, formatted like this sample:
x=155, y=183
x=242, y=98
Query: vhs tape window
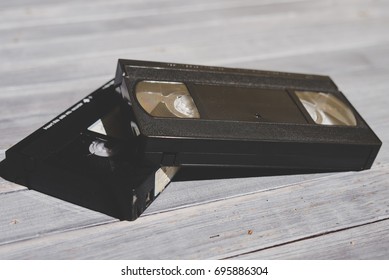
x=166, y=99
x=326, y=108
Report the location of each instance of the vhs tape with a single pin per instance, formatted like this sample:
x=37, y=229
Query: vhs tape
x=201, y=116
x=72, y=158
x=115, y=150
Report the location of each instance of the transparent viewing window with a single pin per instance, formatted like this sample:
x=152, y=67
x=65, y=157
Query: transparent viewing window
x=326, y=109
x=166, y=99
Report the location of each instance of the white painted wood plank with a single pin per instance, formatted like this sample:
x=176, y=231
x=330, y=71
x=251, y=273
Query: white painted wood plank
x=88, y=11
x=137, y=26
x=247, y=35
x=364, y=242
x=36, y=3
x=29, y=214
x=221, y=229
x=6, y=186
x=28, y=108
x=156, y=14
x=186, y=45
x=191, y=193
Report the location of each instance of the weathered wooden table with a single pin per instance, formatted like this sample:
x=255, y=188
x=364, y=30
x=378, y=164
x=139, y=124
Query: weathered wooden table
x=52, y=53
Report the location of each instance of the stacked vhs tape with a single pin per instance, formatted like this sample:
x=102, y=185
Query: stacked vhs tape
x=115, y=150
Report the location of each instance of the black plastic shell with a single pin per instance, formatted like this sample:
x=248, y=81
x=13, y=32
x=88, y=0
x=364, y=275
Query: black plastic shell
x=205, y=142
x=53, y=160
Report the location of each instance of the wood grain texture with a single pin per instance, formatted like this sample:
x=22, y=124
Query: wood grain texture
x=355, y=243
x=343, y=28
x=29, y=214
x=53, y=53
x=6, y=186
x=191, y=193
x=221, y=229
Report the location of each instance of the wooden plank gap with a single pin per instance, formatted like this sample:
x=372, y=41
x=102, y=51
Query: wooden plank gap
x=5, y=192
x=58, y=231
x=320, y=234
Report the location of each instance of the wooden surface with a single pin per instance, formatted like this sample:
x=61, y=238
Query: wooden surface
x=53, y=53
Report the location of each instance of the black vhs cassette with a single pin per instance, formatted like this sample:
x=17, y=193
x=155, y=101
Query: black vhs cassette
x=73, y=158
x=190, y=115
